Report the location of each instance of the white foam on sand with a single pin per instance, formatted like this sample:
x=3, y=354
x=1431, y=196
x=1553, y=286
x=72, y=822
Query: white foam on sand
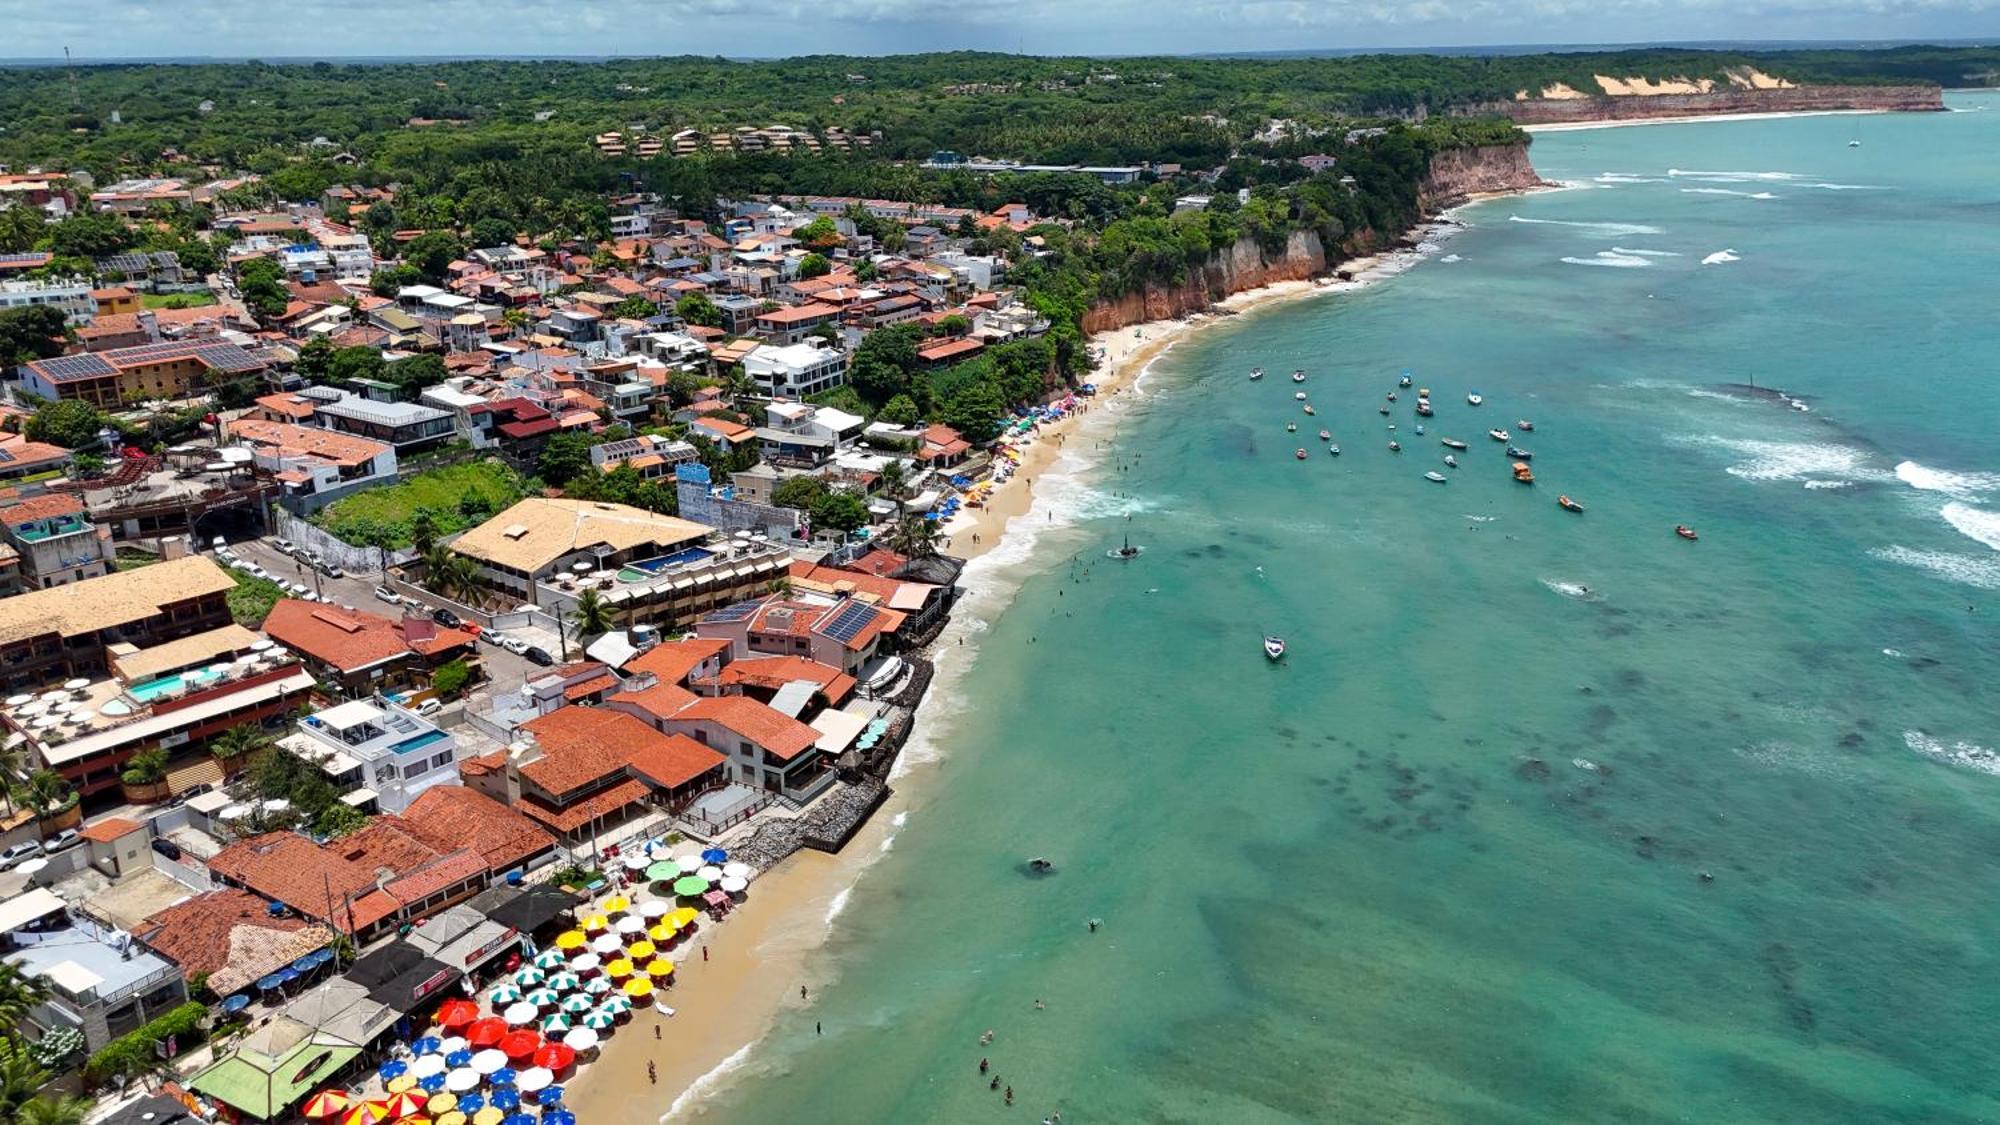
x=1608, y=230
x=1962, y=486
x=1721, y=256
x=1970, y=755
x=708, y=1083
x=1613, y=259
x=1970, y=570
x=1974, y=523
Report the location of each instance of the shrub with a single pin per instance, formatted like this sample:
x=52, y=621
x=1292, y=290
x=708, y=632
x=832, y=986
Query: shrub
x=133, y=1054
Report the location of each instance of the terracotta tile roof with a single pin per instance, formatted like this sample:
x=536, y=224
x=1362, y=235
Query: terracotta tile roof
x=580, y=746
x=949, y=349
x=774, y=672
x=590, y=687
x=45, y=506
x=287, y=404
x=342, y=639
x=452, y=817
x=659, y=701
x=387, y=842
x=723, y=428
x=879, y=561
x=195, y=934
x=447, y=871
x=779, y=733
x=627, y=792
x=671, y=761
x=483, y=765
x=837, y=578
x=288, y=440
x=288, y=868
x=671, y=661
x=112, y=830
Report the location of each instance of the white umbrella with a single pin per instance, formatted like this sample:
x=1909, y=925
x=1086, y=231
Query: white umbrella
x=606, y=943
x=77, y=684
x=51, y=696
x=731, y=885
x=654, y=908
x=588, y=963
x=638, y=861
x=33, y=866
x=489, y=1060
x=427, y=1065
x=580, y=1039
x=734, y=870
x=452, y=1044
x=460, y=1080
x=710, y=873
x=534, y=1078
x=17, y=700
x=522, y=1013
x=690, y=861
x=631, y=924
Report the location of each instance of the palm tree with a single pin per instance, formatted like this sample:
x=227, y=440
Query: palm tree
x=47, y=792
x=237, y=742
x=63, y=1109
x=894, y=484
x=18, y=993
x=20, y=1077
x=437, y=565
x=914, y=537
x=462, y=578
x=144, y=768
x=593, y=614
x=13, y=767
x=423, y=531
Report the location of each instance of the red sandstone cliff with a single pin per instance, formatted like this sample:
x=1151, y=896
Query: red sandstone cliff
x=1457, y=174
x=1638, y=107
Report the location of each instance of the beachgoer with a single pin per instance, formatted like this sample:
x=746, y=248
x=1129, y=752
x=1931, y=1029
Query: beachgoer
x=1039, y=1006
x=982, y=1066
x=802, y=992
x=986, y=1037
x=656, y=1031
x=652, y=1074
x=1010, y=1095
x=817, y=1029
x=1093, y=925
x=704, y=953
x=995, y=1084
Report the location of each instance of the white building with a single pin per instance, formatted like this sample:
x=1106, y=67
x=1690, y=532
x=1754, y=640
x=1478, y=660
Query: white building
x=371, y=748
x=72, y=296
x=796, y=370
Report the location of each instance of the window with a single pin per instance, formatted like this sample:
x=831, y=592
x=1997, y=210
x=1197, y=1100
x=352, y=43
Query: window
x=414, y=769
x=441, y=760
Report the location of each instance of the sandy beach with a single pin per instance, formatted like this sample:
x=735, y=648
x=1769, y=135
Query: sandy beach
x=1696, y=119
x=763, y=954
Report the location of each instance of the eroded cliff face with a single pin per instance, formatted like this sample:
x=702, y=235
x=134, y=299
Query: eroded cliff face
x=1454, y=175
x=1795, y=99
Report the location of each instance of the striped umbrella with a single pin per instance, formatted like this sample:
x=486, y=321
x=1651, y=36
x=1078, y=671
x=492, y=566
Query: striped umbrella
x=577, y=1005
x=549, y=959
x=542, y=997
x=364, y=1113
x=615, y=1004
x=555, y=1023
x=598, y=1020
x=564, y=981
x=403, y=1105
x=326, y=1103
x=528, y=976
x=504, y=995
x=596, y=986
x=595, y=923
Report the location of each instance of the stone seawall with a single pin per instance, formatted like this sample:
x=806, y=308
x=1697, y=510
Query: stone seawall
x=1641, y=107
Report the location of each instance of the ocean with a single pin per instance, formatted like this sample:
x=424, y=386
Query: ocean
x=1546, y=817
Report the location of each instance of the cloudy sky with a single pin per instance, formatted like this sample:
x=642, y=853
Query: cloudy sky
x=147, y=28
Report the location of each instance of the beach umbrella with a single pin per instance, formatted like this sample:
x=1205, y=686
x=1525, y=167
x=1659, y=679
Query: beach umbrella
x=732, y=885
x=596, y=986
x=415, y=1119
x=640, y=950
x=471, y=1102
x=595, y=923
x=485, y=1032
x=615, y=1004
x=428, y=1045
x=487, y=1116
x=364, y=1113
x=553, y=1094
x=520, y=1044
x=714, y=855
x=555, y=1023
x=489, y=1060
x=548, y=959
x=542, y=997
x=606, y=944
x=654, y=908
x=460, y=1057
x=456, y=1013
x=570, y=939
x=326, y=1103
x=662, y=933
x=638, y=988
x=618, y=968
x=593, y=1021
x=431, y=1084
x=402, y=1105
x=709, y=874
x=392, y=1069
x=577, y=1005
x=507, y=1098
x=519, y=1014
x=616, y=904
x=636, y=861
x=736, y=871
x=461, y=1081
x=662, y=870
x=689, y=886
x=427, y=1065
x=452, y=1045
x=558, y=1117
x=501, y=1079
x=505, y=994
x=529, y=976
x=399, y=1084
x=441, y=1103
x=659, y=967
x=555, y=1057
x=588, y=963
x=455, y=1117
x=581, y=1039
x=518, y=1119
x=564, y=981
x=631, y=924
x=534, y=1078
x=682, y=918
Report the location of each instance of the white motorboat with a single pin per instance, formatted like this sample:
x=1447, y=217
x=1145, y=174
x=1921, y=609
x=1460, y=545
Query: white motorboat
x=1299, y=376
x=1301, y=396
x=1499, y=435
x=1291, y=427
x=1405, y=380
x=1451, y=443
x=1450, y=461
x=1256, y=373
x=1325, y=436
x=1525, y=426
x=1274, y=648
x=1333, y=449
x=1473, y=399
x=1436, y=476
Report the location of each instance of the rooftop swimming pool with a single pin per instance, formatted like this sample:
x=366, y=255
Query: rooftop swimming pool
x=167, y=685
x=646, y=568
x=420, y=741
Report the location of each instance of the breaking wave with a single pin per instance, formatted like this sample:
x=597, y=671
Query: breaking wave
x=1613, y=259
x=1733, y=177
x=1969, y=570
x=1803, y=461
x=1721, y=256
x=1963, y=486
x=1974, y=523
x=1728, y=191
x=1608, y=230
x=1971, y=755
x=1645, y=253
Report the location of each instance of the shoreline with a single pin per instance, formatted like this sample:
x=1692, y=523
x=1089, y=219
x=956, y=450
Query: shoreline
x=765, y=952
x=1697, y=119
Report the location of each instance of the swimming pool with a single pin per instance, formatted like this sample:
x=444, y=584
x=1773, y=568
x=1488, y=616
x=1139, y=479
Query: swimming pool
x=419, y=742
x=165, y=685
x=687, y=556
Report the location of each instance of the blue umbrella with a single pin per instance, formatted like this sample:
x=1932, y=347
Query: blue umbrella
x=550, y=1095
x=305, y=964
x=320, y=957
x=714, y=855
x=518, y=1119
x=235, y=1003
x=558, y=1117
x=270, y=982
x=505, y=1076
x=428, y=1045
x=392, y=1069
x=431, y=1083
x=505, y=1097
x=287, y=974
x=471, y=1103
x=458, y=1058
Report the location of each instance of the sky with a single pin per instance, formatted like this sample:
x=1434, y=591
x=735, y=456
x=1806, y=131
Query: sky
x=104, y=29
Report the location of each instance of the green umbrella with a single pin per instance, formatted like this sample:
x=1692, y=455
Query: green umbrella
x=555, y=1023
x=689, y=886
x=505, y=994
x=549, y=959
x=598, y=1020
x=662, y=871
x=616, y=1005
x=542, y=997
x=577, y=1005
x=529, y=977
x=564, y=981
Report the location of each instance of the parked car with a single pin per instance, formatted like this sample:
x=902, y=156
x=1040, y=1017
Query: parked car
x=445, y=617
x=167, y=847
x=430, y=706
x=296, y=589
x=218, y=542
x=330, y=570
x=385, y=594
x=515, y=645
x=61, y=841
x=284, y=546
x=20, y=853
x=494, y=637
x=536, y=655
x=258, y=571
x=472, y=627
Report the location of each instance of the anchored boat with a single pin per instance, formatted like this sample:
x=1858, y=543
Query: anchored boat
x=1434, y=475
x=1499, y=435
x=1473, y=399
x=1569, y=505
x=1274, y=647
x=1523, y=473
x=1256, y=373
x=1451, y=443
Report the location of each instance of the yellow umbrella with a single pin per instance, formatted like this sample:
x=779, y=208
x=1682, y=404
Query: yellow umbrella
x=594, y=923
x=660, y=967
x=452, y=1118
x=639, y=951
x=638, y=987
x=487, y=1116
x=400, y=1083
x=616, y=904
x=682, y=917
x=570, y=939
x=440, y=1103
x=619, y=968
x=661, y=932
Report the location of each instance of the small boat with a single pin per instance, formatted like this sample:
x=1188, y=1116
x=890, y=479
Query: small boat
x=1310, y=410
x=1325, y=436
x=1333, y=449
x=1685, y=532
x=1126, y=552
x=1299, y=376
x=1523, y=473
x=1392, y=427
x=1450, y=461
x=1451, y=443
x=1854, y=144
x=1525, y=426
x=1040, y=866
x=1384, y=410
x=1291, y=427
x=1274, y=647
x=1499, y=435
x=1299, y=453
x=1424, y=407
x=1473, y=399
x=1395, y=447
x=1404, y=381
x=1569, y=505
x=1256, y=373
x=1392, y=396
x=1301, y=396
x=1519, y=454
x=1420, y=429
x=1434, y=475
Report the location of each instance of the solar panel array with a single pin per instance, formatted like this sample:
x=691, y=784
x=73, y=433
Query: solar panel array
x=63, y=368
x=736, y=612
x=28, y=258
x=848, y=623
x=94, y=365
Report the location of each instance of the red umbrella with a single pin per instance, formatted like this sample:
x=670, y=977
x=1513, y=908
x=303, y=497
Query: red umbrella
x=556, y=1056
x=520, y=1044
x=457, y=1013
x=486, y=1032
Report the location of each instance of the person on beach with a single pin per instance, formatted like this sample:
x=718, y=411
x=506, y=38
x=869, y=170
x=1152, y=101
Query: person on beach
x=653, y=1074
x=982, y=1066
x=802, y=992
x=704, y=953
x=986, y=1038
x=1010, y=1095
x=1039, y=1006
x=656, y=1031
x=995, y=1084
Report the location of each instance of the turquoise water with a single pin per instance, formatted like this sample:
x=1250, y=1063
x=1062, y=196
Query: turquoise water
x=1445, y=864
x=153, y=689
